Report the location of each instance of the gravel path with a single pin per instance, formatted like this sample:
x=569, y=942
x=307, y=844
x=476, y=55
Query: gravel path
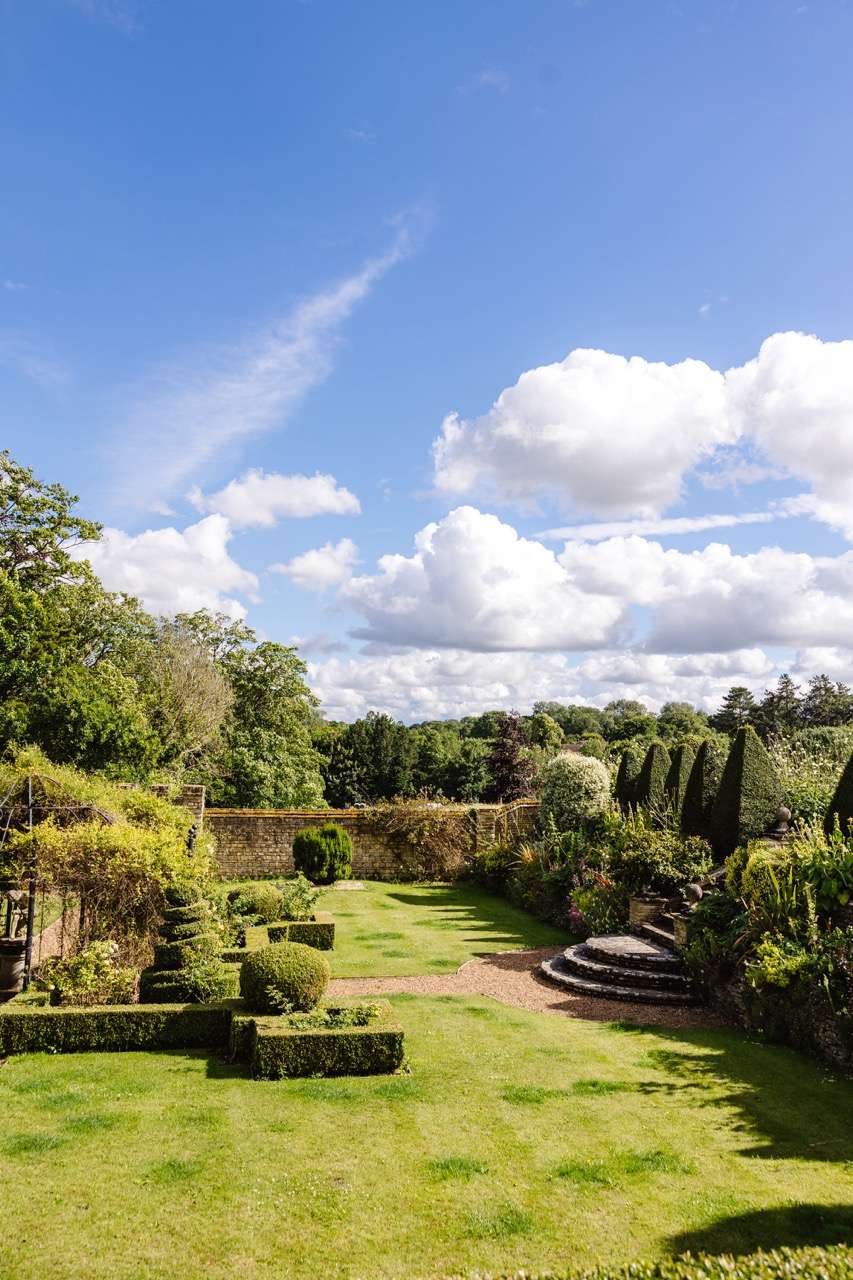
x=513, y=977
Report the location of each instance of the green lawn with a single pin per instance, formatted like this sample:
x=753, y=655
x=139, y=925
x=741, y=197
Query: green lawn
x=389, y=930
x=519, y=1139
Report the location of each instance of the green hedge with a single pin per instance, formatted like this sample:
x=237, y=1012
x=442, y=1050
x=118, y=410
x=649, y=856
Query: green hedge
x=627, y=776
x=841, y=805
x=172, y=986
x=749, y=796
x=276, y=1049
x=834, y=1262
x=650, y=788
x=318, y=933
x=111, y=1028
x=701, y=790
x=677, y=777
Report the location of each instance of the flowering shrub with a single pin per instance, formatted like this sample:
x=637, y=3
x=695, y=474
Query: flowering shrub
x=92, y=976
x=574, y=789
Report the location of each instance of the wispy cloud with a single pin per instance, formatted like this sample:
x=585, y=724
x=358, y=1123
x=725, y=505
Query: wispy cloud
x=489, y=78
x=14, y=286
x=362, y=136
x=665, y=527
x=29, y=360
x=121, y=14
x=192, y=411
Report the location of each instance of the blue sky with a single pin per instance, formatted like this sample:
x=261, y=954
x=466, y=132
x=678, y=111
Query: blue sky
x=292, y=238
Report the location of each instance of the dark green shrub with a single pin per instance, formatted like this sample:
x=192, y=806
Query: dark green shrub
x=198, y=983
x=323, y=854
x=49, y=1029
x=701, y=789
x=841, y=806
x=627, y=776
x=186, y=964
x=318, y=933
x=676, y=779
x=173, y=955
x=749, y=795
x=286, y=975
x=261, y=903
x=650, y=792
x=331, y=1046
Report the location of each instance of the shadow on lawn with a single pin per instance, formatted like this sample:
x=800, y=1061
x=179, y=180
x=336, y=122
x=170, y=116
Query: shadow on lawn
x=792, y=1225
x=477, y=911
x=790, y=1107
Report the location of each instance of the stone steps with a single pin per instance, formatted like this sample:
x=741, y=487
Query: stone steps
x=622, y=967
x=660, y=932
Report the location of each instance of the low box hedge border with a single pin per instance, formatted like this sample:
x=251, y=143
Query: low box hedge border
x=319, y=932
x=277, y=1050
x=830, y=1262
x=114, y=1028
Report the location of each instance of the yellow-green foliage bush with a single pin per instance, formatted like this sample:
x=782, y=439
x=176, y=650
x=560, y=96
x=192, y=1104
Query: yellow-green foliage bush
x=116, y=849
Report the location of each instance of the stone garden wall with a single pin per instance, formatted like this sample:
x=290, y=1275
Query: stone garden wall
x=254, y=843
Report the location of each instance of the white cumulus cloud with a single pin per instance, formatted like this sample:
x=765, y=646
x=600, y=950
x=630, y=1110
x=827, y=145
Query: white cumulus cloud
x=174, y=571
x=473, y=582
x=618, y=437
x=260, y=498
x=321, y=568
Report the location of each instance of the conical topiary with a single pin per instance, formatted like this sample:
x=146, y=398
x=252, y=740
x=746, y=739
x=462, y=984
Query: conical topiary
x=186, y=967
x=676, y=780
x=650, y=790
x=749, y=796
x=701, y=790
x=626, y=778
x=841, y=805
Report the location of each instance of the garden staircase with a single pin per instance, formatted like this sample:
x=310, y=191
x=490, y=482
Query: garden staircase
x=636, y=969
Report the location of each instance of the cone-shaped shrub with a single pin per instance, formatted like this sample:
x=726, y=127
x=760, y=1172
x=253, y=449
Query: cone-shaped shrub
x=651, y=784
x=841, y=805
x=749, y=796
x=626, y=778
x=323, y=854
x=701, y=790
x=676, y=780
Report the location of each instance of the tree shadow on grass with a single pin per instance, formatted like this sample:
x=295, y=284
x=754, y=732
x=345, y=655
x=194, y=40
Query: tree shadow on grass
x=477, y=911
x=791, y=1225
x=789, y=1106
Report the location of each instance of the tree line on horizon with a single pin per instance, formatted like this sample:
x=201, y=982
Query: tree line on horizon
x=96, y=681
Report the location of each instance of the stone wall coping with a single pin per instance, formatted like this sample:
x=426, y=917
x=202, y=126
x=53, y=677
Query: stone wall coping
x=360, y=813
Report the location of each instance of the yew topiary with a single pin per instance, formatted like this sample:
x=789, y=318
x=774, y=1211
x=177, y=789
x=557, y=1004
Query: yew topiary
x=626, y=778
x=650, y=791
x=749, y=796
x=323, y=854
x=284, y=976
x=676, y=779
x=841, y=806
x=701, y=789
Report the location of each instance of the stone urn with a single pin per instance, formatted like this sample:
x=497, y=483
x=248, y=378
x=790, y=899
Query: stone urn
x=12, y=962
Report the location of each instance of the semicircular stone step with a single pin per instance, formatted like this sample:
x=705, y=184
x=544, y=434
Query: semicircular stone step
x=630, y=952
x=578, y=960
x=555, y=970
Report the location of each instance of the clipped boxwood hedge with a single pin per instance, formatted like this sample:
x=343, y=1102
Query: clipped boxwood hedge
x=113, y=1028
x=626, y=778
x=676, y=779
x=276, y=1049
x=287, y=971
x=701, y=790
x=832, y=1262
x=650, y=787
x=318, y=933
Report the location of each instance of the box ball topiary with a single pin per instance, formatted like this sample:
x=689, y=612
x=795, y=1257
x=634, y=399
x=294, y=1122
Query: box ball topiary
x=285, y=971
x=323, y=854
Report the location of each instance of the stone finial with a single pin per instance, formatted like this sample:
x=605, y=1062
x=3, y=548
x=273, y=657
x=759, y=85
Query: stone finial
x=780, y=832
